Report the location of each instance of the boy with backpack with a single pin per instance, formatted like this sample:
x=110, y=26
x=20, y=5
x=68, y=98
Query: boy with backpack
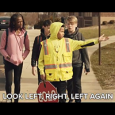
x=45, y=32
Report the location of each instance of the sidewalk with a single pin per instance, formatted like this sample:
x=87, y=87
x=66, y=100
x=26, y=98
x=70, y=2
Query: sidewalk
x=90, y=84
x=29, y=82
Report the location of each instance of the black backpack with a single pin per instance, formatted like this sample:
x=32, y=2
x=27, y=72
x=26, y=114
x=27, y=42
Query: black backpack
x=7, y=42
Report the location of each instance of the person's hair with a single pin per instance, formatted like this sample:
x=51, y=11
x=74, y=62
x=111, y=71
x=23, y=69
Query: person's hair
x=13, y=19
x=72, y=19
x=47, y=23
x=63, y=25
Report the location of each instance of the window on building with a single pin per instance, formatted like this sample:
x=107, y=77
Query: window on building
x=80, y=13
x=88, y=14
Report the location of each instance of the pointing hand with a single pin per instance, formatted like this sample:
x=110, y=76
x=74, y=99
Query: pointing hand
x=103, y=38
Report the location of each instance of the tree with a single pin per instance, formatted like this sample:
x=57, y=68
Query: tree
x=30, y=18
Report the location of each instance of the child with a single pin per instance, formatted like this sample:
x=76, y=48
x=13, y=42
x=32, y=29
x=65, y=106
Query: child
x=80, y=57
x=37, y=46
x=13, y=54
x=56, y=57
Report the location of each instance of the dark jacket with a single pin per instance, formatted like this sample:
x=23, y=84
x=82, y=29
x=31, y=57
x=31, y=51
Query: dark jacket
x=36, y=48
x=79, y=56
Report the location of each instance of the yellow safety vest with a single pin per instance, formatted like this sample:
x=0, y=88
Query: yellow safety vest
x=58, y=66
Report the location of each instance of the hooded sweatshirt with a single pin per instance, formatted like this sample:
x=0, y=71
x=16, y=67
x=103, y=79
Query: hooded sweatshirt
x=54, y=29
x=14, y=47
x=79, y=56
x=55, y=44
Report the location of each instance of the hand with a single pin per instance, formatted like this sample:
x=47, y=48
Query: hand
x=103, y=38
x=85, y=72
x=43, y=77
x=34, y=71
x=8, y=57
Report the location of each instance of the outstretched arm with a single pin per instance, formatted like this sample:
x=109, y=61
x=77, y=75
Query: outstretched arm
x=83, y=44
x=103, y=38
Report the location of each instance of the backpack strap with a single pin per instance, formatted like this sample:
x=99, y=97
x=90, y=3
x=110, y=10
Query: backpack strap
x=25, y=36
x=39, y=39
x=5, y=44
x=6, y=38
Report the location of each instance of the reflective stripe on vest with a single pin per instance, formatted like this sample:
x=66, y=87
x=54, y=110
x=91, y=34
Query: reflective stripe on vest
x=52, y=66
x=45, y=47
x=65, y=65
x=67, y=44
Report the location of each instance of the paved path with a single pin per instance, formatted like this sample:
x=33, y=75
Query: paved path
x=29, y=82
x=90, y=84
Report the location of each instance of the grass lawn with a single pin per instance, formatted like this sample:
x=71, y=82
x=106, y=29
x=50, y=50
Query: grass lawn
x=105, y=73
x=93, y=32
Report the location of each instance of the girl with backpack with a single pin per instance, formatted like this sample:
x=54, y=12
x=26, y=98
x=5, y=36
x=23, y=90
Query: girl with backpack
x=13, y=54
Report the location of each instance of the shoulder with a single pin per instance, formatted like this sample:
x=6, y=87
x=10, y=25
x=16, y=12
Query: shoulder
x=79, y=33
x=79, y=36
x=24, y=30
x=39, y=37
x=36, y=37
x=67, y=39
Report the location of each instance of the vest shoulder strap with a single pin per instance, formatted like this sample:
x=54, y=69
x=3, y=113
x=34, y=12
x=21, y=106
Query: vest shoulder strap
x=67, y=44
x=25, y=36
x=45, y=47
